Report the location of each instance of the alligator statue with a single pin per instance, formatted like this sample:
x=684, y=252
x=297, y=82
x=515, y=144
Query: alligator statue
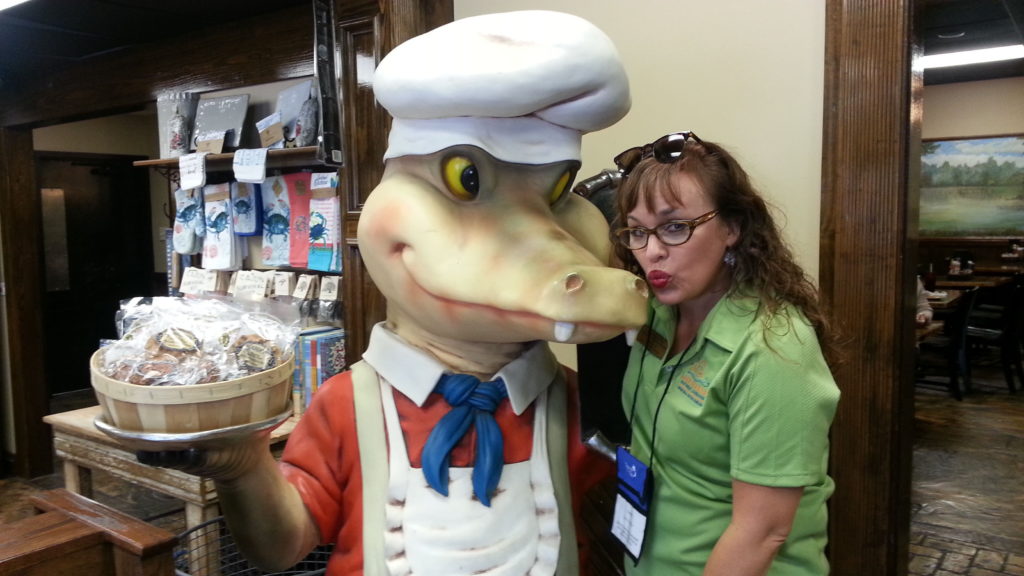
x=453, y=447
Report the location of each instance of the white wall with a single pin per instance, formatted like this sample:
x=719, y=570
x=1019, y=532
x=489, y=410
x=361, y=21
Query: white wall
x=710, y=67
x=985, y=108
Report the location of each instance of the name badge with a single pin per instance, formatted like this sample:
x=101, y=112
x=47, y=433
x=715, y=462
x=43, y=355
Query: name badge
x=632, y=502
x=656, y=343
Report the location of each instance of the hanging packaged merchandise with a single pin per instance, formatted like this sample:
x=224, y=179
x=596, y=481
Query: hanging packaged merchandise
x=325, y=224
x=246, y=208
x=276, y=222
x=306, y=289
x=329, y=308
x=188, y=221
x=298, y=203
x=221, y=249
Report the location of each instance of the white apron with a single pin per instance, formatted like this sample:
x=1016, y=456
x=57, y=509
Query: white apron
x=367, y=395
x=427, y=534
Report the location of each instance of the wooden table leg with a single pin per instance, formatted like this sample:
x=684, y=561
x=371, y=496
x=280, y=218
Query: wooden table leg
x=203, y=545
x=77, y=479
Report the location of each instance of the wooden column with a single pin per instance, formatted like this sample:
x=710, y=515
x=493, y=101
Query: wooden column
x=23, y=275
x=870, y=157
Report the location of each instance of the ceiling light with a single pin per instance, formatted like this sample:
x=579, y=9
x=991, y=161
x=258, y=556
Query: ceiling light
x=5, y=4
x=973, y=56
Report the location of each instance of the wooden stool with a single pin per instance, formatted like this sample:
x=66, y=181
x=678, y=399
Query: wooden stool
x=82, y=448
x=76, y=535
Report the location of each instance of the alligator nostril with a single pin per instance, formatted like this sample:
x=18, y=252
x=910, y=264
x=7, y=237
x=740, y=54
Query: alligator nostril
x=573, y=282
x=640, y=286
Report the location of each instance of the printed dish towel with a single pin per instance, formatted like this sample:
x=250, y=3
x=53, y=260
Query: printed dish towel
x=276, y=221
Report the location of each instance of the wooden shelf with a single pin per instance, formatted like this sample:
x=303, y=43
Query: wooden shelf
x=277, y=158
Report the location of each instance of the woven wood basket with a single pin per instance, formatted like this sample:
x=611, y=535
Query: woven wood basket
x=195, y=408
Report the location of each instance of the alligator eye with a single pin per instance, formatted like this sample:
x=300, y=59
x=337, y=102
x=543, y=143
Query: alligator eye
x=561, y=186
x=461, y=177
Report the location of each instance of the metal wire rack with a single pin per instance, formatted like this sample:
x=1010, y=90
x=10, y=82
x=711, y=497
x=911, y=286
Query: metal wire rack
x=209, y=550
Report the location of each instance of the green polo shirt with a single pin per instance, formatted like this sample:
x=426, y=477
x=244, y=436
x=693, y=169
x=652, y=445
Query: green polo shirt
x=744, y=402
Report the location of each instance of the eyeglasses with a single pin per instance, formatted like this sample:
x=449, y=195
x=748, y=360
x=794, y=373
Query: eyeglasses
x=671, y=233
x=666, y=150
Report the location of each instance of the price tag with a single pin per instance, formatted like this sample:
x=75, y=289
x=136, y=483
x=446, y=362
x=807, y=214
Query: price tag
x=210, y=280
x=322, y=180
x=284, y=283
x=192, y=281
x=271, y=131
x=192, y=170
x=329, y=287
x=302, y=287
x=212, y=142
x=252, y=285
x=250, y=165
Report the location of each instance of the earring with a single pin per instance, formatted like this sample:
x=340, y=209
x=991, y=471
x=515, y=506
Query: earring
x=729, y=259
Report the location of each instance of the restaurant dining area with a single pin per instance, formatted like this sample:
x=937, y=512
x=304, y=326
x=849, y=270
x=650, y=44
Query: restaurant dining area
x=967, y=514
x=976, y=310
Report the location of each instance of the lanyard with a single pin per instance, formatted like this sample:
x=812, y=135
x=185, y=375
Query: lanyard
x=636, y=389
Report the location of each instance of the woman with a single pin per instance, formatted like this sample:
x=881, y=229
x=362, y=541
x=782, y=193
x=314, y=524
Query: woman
x=728, y=391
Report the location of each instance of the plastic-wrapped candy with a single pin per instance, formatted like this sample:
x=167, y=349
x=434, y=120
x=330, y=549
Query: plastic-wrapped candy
x=176, y=341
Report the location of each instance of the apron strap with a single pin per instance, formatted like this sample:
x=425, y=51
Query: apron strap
x=558, y=456
x=372, y=449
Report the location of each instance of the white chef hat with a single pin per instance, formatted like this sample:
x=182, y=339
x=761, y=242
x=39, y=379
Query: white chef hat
x=525, y=86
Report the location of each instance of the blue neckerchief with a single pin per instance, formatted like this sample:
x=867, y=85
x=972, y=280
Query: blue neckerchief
x=472, y=402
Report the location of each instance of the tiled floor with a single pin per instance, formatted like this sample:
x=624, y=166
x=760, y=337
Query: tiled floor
x=968, y=494
x=968, y=490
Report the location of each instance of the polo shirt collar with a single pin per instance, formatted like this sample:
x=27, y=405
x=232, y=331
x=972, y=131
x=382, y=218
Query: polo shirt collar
x=415, y=373
x=725, y=325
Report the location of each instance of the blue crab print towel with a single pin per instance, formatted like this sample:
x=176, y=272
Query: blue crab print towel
x=189, y=224
x=276, y=222
x=220, y=247
x=246, y=208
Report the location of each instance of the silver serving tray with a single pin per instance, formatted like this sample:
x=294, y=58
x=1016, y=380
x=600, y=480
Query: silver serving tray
x=159, y=442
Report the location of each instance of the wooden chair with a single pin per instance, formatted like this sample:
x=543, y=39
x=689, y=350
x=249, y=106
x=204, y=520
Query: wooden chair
x=1000, y=325
x=76, y=535
x=945, y=354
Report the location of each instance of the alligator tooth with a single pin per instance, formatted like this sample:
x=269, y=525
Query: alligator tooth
x=564, y=330
x=631, y=336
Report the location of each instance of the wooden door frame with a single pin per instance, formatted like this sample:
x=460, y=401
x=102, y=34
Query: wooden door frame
x=870, y=160
x=868, y=237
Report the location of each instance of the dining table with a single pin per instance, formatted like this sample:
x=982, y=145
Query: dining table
x=974, y=281
x=999, y=269
x=944, y=299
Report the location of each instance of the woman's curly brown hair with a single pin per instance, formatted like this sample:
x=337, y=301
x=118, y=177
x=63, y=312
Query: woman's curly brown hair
x=765, y=266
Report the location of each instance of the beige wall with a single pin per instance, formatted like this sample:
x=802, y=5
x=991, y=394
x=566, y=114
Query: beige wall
x=986, y=108
x=129, y=134
x=710, y=67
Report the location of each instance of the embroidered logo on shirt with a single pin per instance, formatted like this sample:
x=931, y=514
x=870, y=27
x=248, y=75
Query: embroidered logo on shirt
x=693, y=384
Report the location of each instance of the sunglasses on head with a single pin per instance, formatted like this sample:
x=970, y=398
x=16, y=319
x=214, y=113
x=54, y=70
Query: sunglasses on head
x=666, y=150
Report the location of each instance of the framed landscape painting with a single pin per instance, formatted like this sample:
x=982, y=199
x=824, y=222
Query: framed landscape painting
x=972, y=187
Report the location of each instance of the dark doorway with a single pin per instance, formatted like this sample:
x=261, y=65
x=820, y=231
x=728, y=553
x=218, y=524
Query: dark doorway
x=98, y=250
